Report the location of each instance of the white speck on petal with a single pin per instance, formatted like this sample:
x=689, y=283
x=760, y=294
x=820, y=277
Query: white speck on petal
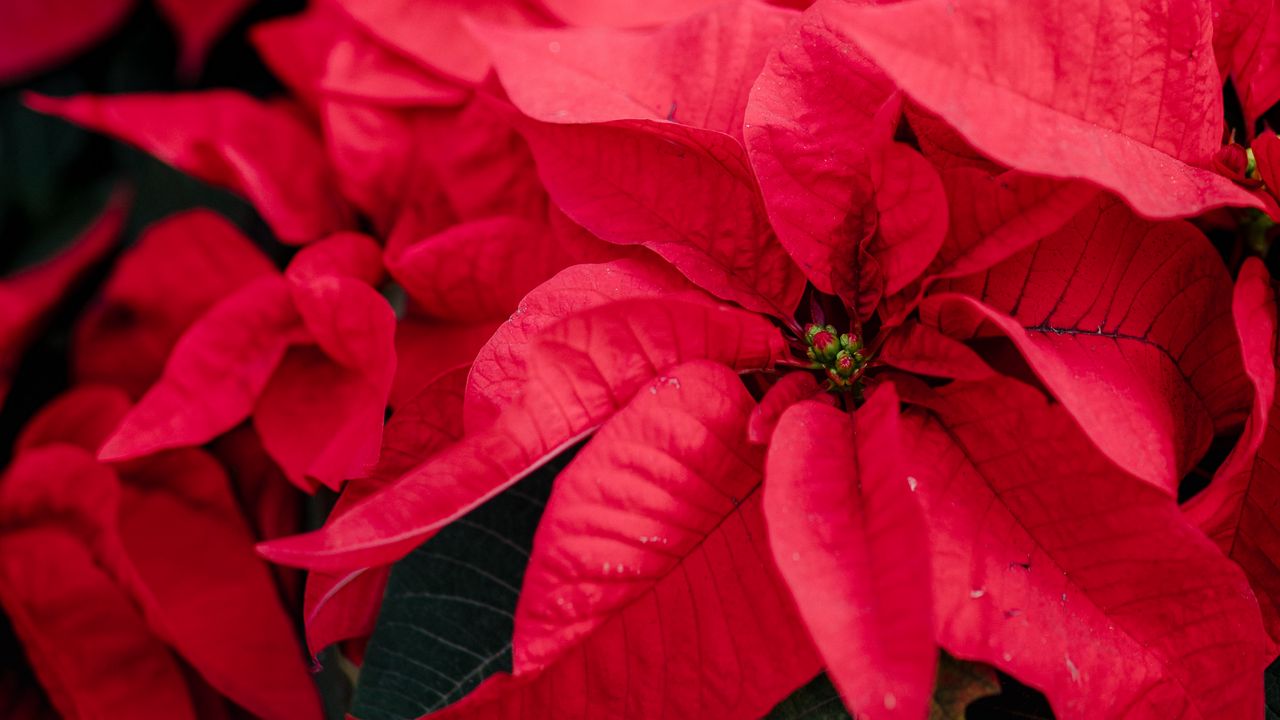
x=912, y=483
x=795, y=557
x=977, y=593
x=1071, y=668
x=1007, y=656
x=608, y=566
x=890, y=701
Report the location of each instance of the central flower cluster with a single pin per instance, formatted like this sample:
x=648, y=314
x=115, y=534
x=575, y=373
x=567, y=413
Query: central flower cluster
x=840, y=356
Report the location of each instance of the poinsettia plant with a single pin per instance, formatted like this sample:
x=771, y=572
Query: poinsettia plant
x=665, y=357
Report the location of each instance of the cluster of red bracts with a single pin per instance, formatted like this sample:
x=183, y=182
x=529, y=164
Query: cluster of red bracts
x=604, y=215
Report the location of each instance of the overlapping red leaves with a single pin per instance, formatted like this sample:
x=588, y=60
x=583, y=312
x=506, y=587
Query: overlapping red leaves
x=888, y=327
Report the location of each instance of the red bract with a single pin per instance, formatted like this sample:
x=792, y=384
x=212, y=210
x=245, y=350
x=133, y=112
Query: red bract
x=128, y=534
x=1054, y=564
x=1124, y=324
x=1235, y=511
x=180, y=267
x=1063, y=89
x=308, y=354
x=876, y=331
x=261, y=151
x=37, y=34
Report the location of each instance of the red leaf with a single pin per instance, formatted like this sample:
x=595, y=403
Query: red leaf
x=1266, y=151
x=1237, y=508
x=39, y=34
x=272, y=506
x=28, y=296
x=911, y=203
x=663, y=561
x=320, y=415
x=1246, y=45
x=819, y=130
x=215, y=374
x=376, y=152
x=321, y=421
x=942, y=145
x=296, y=47
x=360, y=68
x=90, y=648
x=923, y=350
x=790, y=389
x=426, y=349
x=263, y=152
x=1065, y=89
x=617, y=160
x=657, y=187
x=694, y=72
x=1123, y=320
x=995, y=216
x=180, y=267
x=499, y=372
x=198, y=25
x=421, y=426
x=433, y=33
x=204, y=589
x=1078, y=579
x=850, y=542
x=168, y=514
x=580, y=372
x=480, y=270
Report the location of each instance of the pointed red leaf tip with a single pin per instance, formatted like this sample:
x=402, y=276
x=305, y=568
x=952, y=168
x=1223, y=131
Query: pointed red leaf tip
x=1237, y=508
x=480, y=270
x=264, y=152
x=296, y=48
x=27, y=297
x=849, y=539
x=179, y=268
x=819, y=128
x=198, y=25
x=580, y=371
x=660, y=575
x=1124, y=321
x=434, y=35
x=790, y=389
x=499, y=371
x=39, y=34
x=637, y=136
x=1055, y=566
x=1059, y=88
x=215, y=373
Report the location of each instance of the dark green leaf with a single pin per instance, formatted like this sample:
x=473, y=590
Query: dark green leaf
x=816, y=701
x=1273, y=691
x=447, y=617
